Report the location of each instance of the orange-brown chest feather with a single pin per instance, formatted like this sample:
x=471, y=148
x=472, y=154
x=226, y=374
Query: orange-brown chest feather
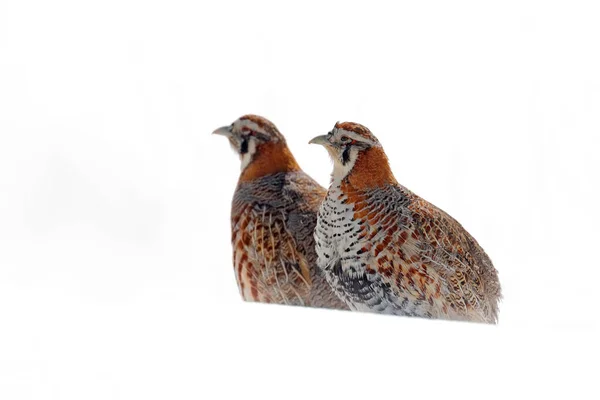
x=270, y=158
x=371, y=170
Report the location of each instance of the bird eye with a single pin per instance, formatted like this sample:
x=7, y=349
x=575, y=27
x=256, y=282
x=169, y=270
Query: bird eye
x=248, y=132
x=344, y=138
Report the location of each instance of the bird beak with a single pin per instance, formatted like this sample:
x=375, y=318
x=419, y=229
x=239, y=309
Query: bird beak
x=223, y=131
x=322, y=140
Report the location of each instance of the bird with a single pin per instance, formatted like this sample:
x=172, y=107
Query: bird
x=384, y=249
x=273, y=217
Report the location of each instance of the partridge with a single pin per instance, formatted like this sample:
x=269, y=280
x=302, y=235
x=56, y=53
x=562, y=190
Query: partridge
x=273, y=217
x=384, y=249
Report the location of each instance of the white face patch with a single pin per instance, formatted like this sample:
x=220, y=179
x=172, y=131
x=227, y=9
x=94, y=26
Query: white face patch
x=340, y=137
x=340, y=170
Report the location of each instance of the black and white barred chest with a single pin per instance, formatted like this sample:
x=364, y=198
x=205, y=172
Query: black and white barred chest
x=340, y=251
x=336, y=230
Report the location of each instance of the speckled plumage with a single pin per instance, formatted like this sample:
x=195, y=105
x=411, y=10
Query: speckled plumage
x=273, y=217
x=385, y=249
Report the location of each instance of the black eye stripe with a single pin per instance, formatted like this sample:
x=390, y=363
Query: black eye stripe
x=346, y=155
x=244, y=146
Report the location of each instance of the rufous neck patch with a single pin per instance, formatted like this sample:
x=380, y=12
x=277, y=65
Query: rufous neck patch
x=371, y=169
x=270, y=158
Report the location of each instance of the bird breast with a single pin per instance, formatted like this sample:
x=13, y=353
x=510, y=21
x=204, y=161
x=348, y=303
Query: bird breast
x=337, y=232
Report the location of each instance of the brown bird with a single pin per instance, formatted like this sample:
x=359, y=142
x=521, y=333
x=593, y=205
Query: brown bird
x=273, y=217
x=384, y=249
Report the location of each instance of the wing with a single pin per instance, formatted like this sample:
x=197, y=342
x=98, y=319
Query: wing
x=471, y=285
x=424, y=254
x=268, y=266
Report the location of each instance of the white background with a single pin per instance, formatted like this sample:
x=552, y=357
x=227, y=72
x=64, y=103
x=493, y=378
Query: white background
x=115, y=267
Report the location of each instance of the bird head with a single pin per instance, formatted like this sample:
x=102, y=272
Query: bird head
x=258, y=143
x=354, y=151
